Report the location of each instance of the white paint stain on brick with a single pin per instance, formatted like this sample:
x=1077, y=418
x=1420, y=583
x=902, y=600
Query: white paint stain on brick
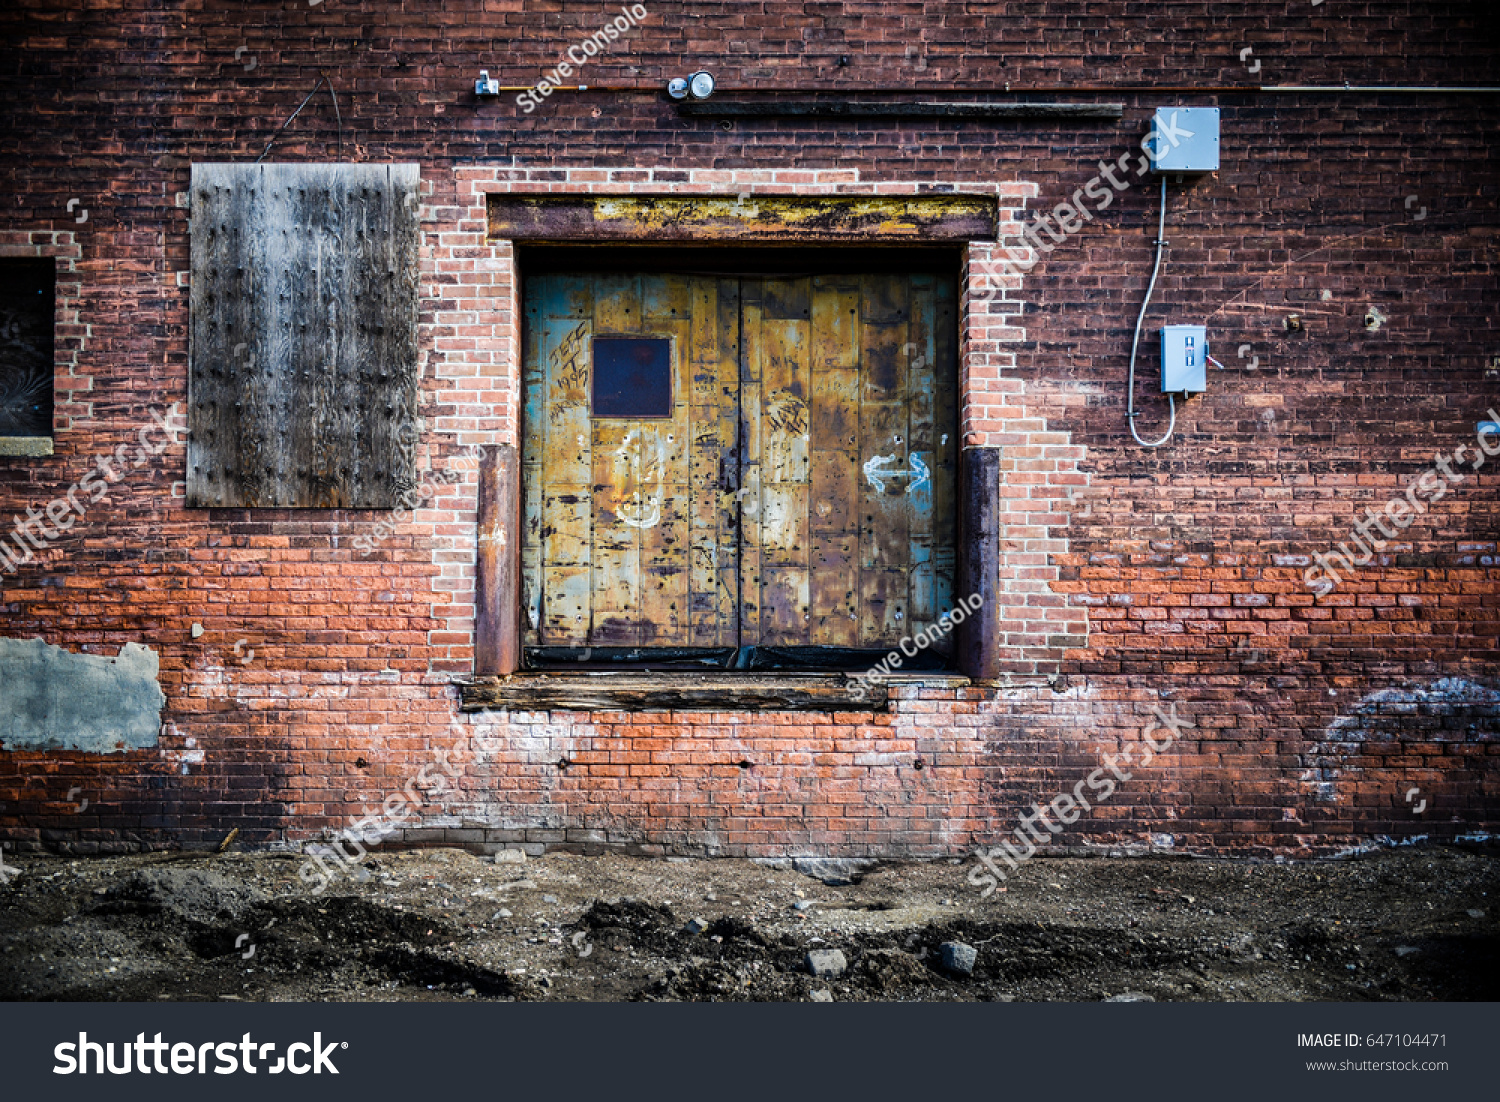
x=1396, y=713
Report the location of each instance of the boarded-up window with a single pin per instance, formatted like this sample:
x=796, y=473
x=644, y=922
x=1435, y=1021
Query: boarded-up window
x=27, y=293
x=303, y=377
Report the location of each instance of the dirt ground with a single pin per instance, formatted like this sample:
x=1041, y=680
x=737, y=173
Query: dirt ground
x=1413, y=924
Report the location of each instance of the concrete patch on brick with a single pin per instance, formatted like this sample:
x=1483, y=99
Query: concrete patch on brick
x=53, y=699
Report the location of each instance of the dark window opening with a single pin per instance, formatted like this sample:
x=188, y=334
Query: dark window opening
x=632, y=377
x=28, y=288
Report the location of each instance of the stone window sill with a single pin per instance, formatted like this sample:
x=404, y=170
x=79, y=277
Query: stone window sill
x=637, y=691
x=26, y=445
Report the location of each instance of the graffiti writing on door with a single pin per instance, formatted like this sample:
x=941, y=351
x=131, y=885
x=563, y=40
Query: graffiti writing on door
x=640, y=463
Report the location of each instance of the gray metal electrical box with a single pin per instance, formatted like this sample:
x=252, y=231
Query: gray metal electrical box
x=1185, y=139
x=1184, y=356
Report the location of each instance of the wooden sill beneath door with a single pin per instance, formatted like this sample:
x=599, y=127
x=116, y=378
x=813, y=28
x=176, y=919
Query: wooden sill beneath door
x=637, y=691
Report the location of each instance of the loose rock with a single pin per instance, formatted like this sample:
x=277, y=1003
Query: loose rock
x=827, y=963
x=957, y=957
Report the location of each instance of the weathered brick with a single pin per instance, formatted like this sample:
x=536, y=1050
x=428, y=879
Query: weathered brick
x=1135, y=575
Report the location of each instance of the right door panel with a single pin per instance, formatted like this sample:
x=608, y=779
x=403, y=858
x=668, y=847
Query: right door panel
x=848, y=454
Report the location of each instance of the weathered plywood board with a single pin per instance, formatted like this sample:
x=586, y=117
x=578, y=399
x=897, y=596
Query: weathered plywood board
x=910, y=218
x=303, y=355
x=978, y=637
x=715, y=344
x=497, y=597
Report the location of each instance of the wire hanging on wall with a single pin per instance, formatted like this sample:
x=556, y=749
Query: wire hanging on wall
x=338, y=117
x=1161, y=245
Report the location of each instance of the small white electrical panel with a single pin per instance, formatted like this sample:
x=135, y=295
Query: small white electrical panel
x=1184, y=359
x=1185, y=139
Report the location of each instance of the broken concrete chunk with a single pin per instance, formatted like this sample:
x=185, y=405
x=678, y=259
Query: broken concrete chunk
x=827, y=963
x=510, y=857
x=957, y=957
x=1129, y=997
x=821, y=995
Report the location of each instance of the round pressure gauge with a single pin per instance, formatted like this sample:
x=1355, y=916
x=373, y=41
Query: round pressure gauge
x=677, y=88
x=701, y=85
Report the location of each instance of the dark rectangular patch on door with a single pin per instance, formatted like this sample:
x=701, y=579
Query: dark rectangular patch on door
x=632, y=377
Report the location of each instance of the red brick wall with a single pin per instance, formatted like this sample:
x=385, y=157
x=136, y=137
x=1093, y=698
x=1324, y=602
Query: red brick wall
x=1175, y=556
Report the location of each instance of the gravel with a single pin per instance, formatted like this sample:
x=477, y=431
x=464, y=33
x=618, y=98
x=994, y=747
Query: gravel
x=1408, y=924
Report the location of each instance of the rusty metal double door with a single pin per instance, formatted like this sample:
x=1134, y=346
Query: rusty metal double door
x=714, y=466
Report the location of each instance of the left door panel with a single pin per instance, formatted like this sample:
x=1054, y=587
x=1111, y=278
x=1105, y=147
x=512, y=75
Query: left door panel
x=629, y=462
